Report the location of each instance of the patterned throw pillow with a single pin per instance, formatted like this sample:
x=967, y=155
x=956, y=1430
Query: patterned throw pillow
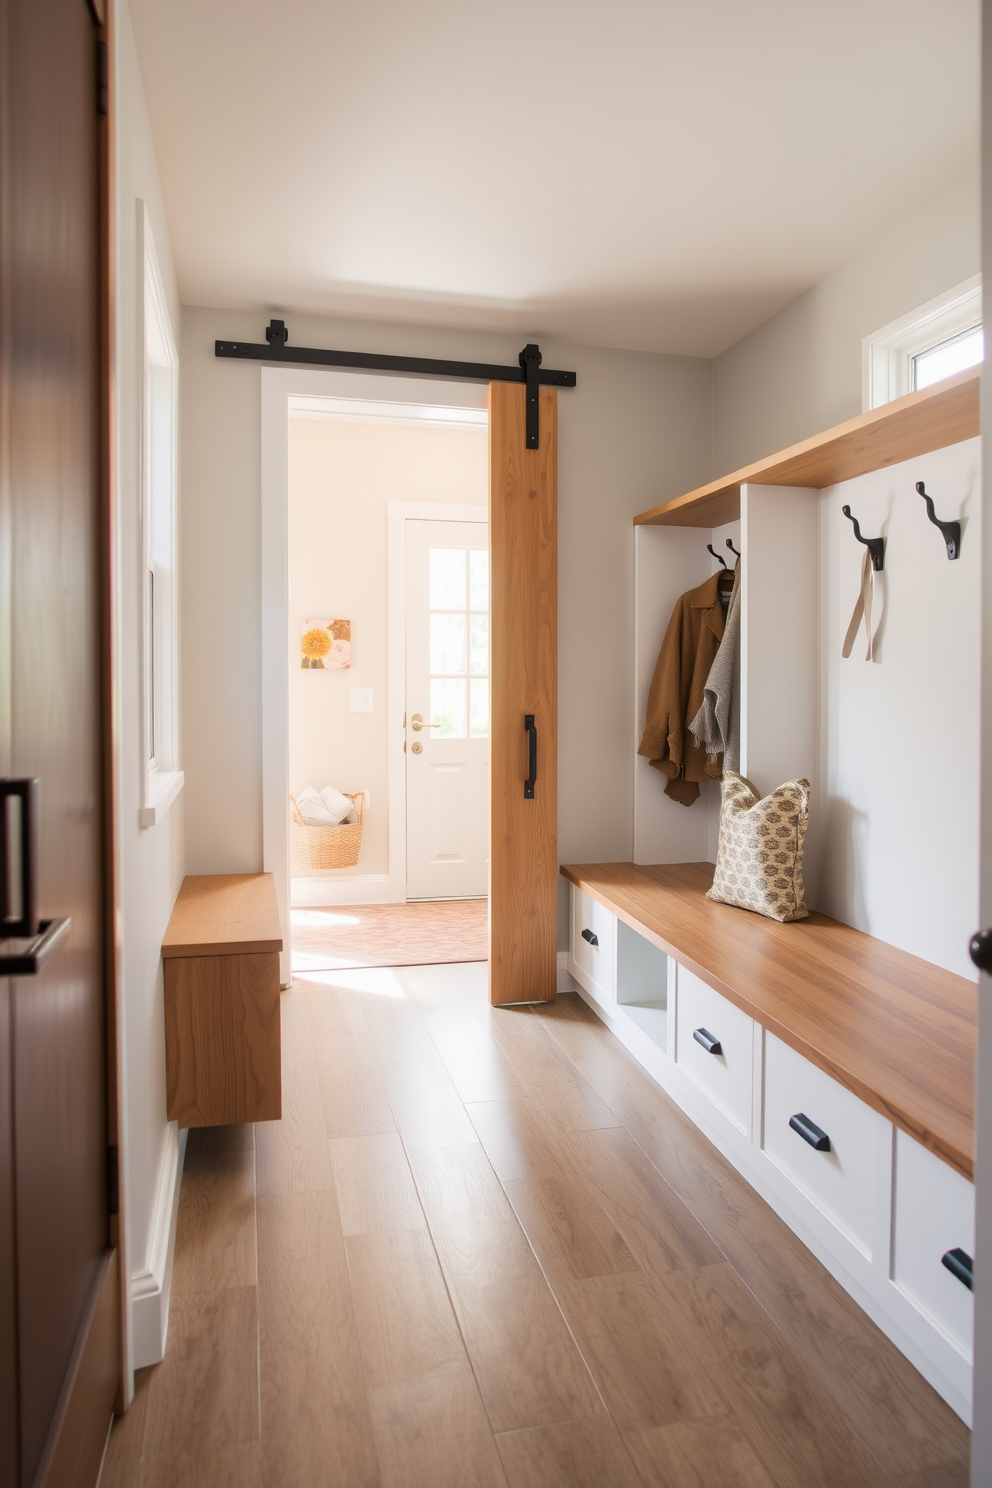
x=759, y=859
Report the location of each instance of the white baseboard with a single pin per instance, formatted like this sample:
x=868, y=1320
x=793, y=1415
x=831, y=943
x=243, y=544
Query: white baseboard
x=151, y=1287
x=360, y=888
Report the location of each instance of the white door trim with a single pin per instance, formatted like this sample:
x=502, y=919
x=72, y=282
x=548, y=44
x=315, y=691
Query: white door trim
x=398, y=513
x=278, y=386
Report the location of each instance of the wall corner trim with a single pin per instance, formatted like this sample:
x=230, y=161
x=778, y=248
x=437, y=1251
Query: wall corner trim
x=151, y=1285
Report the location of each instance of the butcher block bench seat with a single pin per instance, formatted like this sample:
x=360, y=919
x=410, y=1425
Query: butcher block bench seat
x=896, y=1030
x=223, y=1050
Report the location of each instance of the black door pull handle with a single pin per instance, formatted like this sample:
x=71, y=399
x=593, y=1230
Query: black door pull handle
x=810, y=1132
x=26, y=957
x=960, y=1264
x=18, y=901
x=590, y=937
x=531, y=729
x=710, y=1044
x=25, y=941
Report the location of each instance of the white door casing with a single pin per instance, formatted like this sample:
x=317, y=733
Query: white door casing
x=446, y=708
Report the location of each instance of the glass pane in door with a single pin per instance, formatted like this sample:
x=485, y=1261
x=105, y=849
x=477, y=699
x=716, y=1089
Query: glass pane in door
x=459, y=642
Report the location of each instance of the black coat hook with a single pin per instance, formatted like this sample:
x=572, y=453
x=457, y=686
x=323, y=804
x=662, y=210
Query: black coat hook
x=949, y=531
x=710, y=549
x=875, y=545
x=730, y=545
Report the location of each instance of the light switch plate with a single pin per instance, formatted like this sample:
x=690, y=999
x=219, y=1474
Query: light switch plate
x=361, y=700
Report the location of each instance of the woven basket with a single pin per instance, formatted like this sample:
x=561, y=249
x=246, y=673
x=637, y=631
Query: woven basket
x=329, y=847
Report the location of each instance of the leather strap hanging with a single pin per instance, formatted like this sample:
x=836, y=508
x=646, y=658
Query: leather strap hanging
x=862, y=608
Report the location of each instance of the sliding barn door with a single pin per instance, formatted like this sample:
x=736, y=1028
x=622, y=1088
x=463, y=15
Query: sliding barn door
x=523, y=531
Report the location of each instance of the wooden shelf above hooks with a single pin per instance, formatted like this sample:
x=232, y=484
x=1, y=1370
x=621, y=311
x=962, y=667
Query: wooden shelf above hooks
x=928, y=420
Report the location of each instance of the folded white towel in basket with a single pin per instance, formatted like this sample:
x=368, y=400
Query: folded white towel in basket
x=327, y=808
x=341, y=807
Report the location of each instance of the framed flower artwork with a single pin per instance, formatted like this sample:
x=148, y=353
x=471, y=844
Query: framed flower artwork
x=325, y=645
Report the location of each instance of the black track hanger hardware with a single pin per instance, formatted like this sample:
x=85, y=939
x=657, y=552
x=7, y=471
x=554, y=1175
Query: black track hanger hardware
x=949, y=531
x=278, y=353
x=875, y=545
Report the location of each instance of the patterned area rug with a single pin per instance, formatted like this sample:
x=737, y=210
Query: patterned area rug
x=356, y=935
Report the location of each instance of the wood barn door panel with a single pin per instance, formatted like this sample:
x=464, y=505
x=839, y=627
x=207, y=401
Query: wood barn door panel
x=58, y=1273
x=523, y=530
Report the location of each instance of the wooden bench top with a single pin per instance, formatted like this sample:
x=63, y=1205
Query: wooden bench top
x=896, y=1030
x=224, y=914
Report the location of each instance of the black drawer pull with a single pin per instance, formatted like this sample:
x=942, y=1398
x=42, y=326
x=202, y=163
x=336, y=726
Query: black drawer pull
x=810, y=1132
x=710, y=1044
x=960, y=1264
x=592, y=939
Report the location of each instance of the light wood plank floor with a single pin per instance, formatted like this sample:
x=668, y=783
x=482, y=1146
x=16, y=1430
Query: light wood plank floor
x=482, y=1249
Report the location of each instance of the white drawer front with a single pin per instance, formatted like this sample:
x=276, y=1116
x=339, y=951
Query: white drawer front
x=726, y=1077
x=933, y=1212
x=594, y=956
x=840, y=1181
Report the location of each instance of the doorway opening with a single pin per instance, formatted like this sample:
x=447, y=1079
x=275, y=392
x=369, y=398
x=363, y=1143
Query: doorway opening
x=388, y=673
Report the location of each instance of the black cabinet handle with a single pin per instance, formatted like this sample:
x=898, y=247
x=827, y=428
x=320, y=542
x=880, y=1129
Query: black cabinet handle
x=531, y=729
x=24, y=925
x=810, y=1132
x=710, y=1044
x=592, y=939
x=960, y=1264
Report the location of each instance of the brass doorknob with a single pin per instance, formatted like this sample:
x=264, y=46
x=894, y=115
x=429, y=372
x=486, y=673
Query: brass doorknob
x=417, y=723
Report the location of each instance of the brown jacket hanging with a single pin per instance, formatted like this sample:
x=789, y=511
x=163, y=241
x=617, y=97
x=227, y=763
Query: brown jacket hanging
x=691, y=642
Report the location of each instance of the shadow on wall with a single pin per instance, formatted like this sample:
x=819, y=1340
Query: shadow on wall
x=844, y=851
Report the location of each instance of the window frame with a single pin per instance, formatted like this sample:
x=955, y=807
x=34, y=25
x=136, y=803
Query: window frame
x=162, y=778
x=888, y=354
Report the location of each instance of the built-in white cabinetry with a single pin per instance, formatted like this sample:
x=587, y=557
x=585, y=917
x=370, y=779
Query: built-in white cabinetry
x=822, y=1139
x=593, y=941
x=879, y=1210
x=773, y=1056
x=934, y=1219
x=715, y=1047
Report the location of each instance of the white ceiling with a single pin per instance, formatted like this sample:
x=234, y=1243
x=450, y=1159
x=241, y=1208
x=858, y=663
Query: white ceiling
x=640, y=173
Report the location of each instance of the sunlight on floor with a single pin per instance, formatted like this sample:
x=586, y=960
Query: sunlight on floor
x=379, y=981
x=304, y=961
x=321, y=917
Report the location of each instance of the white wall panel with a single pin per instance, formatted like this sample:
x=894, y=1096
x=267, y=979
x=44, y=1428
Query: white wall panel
x=900, y=740
x=779, y=646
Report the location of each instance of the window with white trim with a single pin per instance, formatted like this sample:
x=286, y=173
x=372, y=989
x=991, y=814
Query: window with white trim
x=159, y=427
x=933, y=342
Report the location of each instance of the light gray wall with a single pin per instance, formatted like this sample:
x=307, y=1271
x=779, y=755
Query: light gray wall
x=634, y=432
x=800, y=372
x=151, y=859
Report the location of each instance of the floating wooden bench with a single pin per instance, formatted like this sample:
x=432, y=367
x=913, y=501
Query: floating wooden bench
x=223, y=1052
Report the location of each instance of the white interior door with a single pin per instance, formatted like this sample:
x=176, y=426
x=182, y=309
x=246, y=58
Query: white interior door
x=447, y=709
